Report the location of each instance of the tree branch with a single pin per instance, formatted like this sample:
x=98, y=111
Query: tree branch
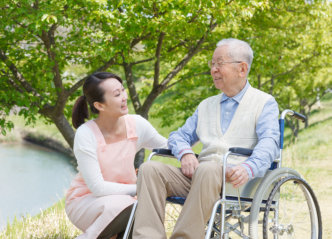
x=157, y=63
x=74, y=87
x=131, y=86
x=194, y=17
x=35, y=5
x=229, y=2
x=142, y=61
x=18, y=76
x=292, y=69
x=11, y=81
x=108, y=64
x=177, y=45
x=188, y=56
x=49, y=42
x=157, y=89
x=16, y=86
x=184, y=78
x=138, y=39
x=79, y=83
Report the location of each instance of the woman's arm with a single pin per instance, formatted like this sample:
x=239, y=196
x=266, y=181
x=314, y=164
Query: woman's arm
x=148, y=137
x=85, y=150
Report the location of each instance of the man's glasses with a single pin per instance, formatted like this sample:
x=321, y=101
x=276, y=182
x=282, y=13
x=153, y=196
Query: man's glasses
x=219, y=64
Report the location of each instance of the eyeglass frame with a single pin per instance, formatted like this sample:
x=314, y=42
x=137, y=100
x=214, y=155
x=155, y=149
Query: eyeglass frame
x=220, y=64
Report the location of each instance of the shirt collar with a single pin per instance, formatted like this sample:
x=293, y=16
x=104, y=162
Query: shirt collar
x=237, y=97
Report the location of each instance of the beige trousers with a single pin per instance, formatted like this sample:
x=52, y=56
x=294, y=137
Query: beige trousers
x=156, y=181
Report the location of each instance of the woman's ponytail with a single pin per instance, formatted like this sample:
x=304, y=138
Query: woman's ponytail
x=92, y=93
x=80, y=112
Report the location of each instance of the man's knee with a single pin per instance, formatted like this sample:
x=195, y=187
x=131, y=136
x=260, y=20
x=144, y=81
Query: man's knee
x=150, y=168
x=209, y=169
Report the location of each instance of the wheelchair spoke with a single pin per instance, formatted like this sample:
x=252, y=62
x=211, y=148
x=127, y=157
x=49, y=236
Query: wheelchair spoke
x=172, y=213
x=291, y=212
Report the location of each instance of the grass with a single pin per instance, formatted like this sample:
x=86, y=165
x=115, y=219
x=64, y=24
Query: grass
x=51, y=223
x=41, y=128
x=311, y=156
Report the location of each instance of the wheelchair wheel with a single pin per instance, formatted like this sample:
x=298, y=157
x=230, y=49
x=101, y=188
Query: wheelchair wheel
x=292, y=211
x=172, y=213
x=263, y=191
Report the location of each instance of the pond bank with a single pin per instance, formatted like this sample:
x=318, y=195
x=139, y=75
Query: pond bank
x=17, y=136
x=32, y=178
x=50, y=143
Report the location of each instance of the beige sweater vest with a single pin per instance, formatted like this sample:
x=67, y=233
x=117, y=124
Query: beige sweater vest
x=241, y=131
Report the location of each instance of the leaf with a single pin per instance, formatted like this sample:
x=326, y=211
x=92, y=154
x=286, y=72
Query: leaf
x=44, y=17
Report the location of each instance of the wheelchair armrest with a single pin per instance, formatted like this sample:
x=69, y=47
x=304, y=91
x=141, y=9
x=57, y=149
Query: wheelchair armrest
x=163, y=152
x=242, y=151
x=166, y=152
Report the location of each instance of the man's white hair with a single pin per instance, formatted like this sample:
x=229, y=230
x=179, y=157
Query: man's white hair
x=238, y=50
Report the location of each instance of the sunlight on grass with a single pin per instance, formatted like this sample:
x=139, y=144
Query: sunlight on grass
x=39, y=128
x=311, y=156
x=51, y=223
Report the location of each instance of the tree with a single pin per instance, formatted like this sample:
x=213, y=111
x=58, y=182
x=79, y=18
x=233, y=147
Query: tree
x=292, y=46
x=159, y=47
x=41, y=39
x=295, y=65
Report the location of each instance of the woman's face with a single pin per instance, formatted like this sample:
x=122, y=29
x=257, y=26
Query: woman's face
x=115, y=98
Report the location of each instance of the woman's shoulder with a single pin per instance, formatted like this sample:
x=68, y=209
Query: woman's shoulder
x=138, y=119
x=135, y=116
x=84, y=136
x=142, y=125
x=84, y=128
x=84, y=132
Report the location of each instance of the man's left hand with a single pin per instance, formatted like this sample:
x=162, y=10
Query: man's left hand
x=237, y=175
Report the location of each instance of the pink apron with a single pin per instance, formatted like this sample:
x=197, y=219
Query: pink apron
x=92, y=214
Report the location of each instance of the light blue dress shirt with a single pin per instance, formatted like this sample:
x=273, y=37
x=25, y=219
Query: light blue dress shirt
x=267, y=129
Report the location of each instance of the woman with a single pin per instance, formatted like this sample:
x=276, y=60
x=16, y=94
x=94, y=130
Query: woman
x=100, y=198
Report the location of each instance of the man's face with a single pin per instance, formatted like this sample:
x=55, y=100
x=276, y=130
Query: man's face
x=227, y=73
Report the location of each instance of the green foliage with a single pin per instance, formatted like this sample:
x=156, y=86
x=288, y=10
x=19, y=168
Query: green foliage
x=160, y=48
x=292, y=47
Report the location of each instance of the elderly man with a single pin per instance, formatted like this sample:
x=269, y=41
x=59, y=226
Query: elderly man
x=241, y=116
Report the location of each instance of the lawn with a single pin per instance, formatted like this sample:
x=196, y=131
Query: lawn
x=310, y=155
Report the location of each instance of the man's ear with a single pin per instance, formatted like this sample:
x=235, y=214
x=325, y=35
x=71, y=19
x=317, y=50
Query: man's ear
x=99, y=106
x=243, y=69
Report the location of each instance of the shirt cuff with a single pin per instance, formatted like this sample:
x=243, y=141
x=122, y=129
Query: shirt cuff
x=249, y=170
x=183, y=152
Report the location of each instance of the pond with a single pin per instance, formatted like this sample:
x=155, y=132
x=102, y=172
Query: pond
x=32, y=179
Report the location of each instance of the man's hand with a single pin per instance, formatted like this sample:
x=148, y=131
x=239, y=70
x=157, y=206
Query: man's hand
x=189, y=163
x=237, y=176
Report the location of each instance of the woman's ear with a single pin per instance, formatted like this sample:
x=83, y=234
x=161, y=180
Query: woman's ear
x=99, y=106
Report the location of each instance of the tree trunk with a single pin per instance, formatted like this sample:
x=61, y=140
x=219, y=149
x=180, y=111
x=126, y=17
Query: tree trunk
x=259, y=83
x=306, y=123
x=65, y=129
x=294, y=126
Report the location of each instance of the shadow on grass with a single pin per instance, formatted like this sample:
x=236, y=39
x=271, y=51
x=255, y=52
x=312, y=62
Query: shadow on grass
x=318, y=122
x=288, y=137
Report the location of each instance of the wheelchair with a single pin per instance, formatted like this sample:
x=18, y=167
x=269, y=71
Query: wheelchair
x=279, y=205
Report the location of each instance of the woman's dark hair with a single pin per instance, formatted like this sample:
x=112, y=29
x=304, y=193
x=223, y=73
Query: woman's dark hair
x=92, y=92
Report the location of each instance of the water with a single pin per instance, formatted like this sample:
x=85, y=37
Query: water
x=31, y=179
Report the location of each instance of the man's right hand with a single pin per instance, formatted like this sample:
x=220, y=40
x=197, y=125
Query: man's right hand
x=237, y=175
x=189, y=163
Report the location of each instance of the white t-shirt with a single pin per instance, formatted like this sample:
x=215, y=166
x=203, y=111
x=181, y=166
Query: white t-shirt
x=85, y=150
